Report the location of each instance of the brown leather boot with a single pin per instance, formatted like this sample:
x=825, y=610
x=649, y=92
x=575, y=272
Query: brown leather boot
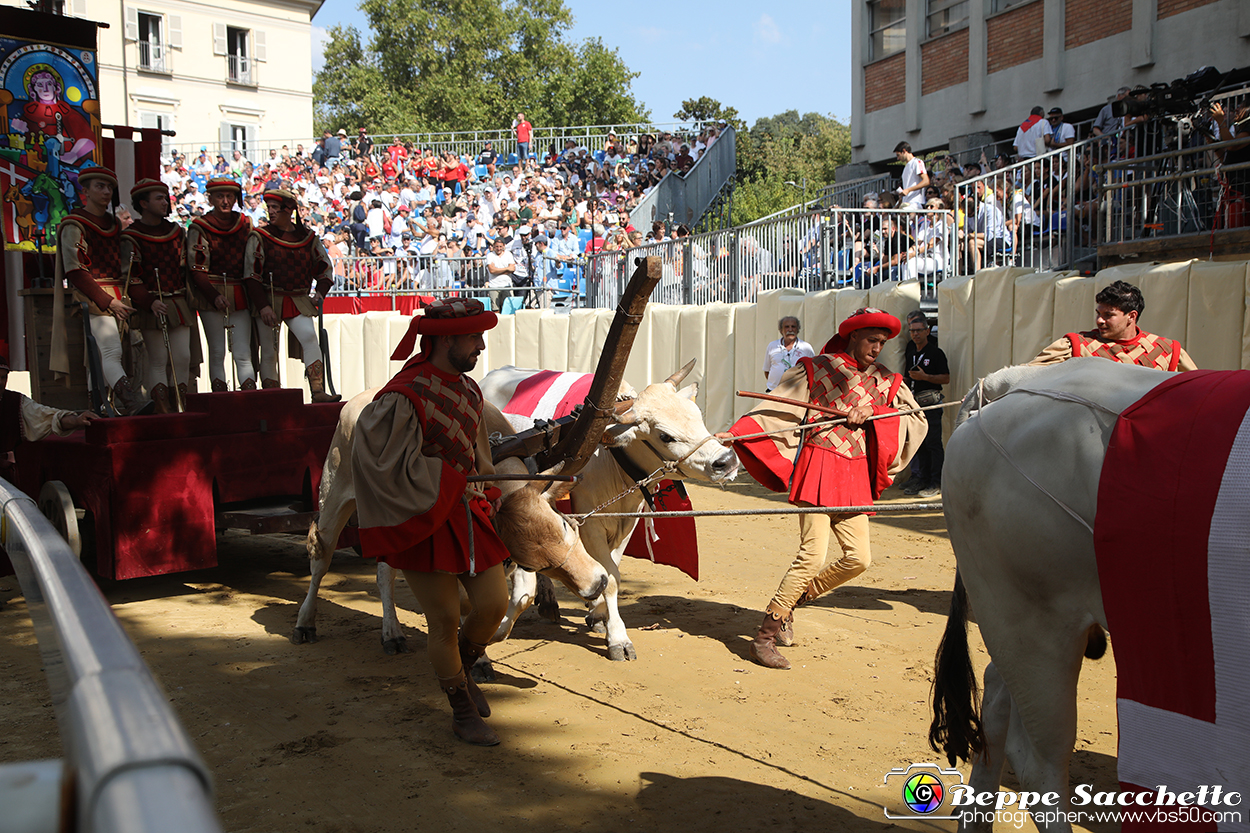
x=465, y=720
x=764, y=647
x=317, y=383
x=125, y=398
x=220, y=386
x=248, y=384
x=267, y=384
x=182, y=397
x=785, y=636
x=471, y=652
x=160, y=395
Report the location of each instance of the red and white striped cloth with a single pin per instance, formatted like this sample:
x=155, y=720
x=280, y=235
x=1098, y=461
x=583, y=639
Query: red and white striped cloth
x=1172, y=537
x=551, y=394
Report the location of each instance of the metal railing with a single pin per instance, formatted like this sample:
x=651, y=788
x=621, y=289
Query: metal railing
x=470, y=143
x=152, y=56
x=129, y=762
x=684, y=198
x=391, y=275
x=813, y=251
x=1184, y=191
x=239, y=71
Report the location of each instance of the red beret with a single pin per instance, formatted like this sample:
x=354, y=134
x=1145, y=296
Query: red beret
x=870, y=318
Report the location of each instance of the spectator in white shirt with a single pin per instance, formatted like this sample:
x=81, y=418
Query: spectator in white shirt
x=1060, y=134
x=784, y=353
x=1027, y=138
x=915, y=177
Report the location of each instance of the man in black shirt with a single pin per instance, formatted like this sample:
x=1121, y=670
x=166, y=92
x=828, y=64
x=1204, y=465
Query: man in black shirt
x=488, y=157
x=364, y=146
x=926, y=370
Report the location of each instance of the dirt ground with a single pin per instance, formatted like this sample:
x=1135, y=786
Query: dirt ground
x=693, y=736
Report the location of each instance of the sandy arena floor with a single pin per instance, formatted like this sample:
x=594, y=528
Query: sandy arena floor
x=693, y=736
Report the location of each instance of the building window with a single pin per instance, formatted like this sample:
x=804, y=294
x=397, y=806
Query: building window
x=151, y=43
x=160, y=121
x=1003, y=5
x=240, y=137
x=238, y=56
x=887, y=26
x=946, y=15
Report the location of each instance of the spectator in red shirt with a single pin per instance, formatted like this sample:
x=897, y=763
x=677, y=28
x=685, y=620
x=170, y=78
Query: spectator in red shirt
x=524, y=130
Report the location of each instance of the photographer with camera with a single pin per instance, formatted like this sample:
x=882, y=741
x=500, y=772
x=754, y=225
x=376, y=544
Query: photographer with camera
x=522, y=249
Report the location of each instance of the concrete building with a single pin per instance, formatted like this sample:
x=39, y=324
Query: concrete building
x=223, y=74
x=963, y=72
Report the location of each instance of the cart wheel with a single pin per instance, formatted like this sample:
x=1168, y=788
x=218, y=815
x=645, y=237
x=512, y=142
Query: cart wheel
x=58, y=507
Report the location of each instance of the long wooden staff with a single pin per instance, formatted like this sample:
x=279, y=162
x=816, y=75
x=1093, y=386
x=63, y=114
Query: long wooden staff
x=278, y=329
x=825, y=409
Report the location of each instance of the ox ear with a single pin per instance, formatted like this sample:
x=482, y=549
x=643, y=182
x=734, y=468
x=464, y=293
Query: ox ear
x=676, y=378
x=558, y=492
x=690, y=391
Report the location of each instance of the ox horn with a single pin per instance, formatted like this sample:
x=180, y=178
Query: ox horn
x=676, y=378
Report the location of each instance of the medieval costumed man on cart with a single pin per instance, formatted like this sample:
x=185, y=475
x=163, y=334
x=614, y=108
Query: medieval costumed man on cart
x=88, y=255
x=284, y=260
x=414, y=448
x=152, y=249
x=848, y=464
x=216, y=243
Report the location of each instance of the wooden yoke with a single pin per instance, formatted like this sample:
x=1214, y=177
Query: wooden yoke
x=572, y=440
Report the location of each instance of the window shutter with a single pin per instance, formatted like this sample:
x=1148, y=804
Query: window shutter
x=132, y=23
x=219, y=39
x=226, y=135
x=149, y=120
x=250, y=150
x=258, y=45
x=175, y=31
x=76, y=8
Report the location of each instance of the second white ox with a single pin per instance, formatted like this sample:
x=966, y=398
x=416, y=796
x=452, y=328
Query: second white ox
x=663, y=425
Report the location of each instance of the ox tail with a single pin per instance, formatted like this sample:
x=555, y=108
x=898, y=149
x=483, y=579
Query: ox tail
x=972, y=401
x=956, y=728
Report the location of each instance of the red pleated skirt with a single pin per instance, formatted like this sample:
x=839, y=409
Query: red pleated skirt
x=826, y=478
x=447, y=550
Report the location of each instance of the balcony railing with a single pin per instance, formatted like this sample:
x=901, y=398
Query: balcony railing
x=239, y=69
x=152, y=57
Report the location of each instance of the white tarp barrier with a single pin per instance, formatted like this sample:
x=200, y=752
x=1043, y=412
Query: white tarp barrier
x=718, y=386
x=955, y=313
x=898, y=299
x=1033, y=323
x=692, y=344
x=1217, y=306
x=748, y=358
x=1074, y=305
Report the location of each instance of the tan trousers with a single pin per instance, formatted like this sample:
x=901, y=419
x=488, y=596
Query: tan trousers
x=852, y=534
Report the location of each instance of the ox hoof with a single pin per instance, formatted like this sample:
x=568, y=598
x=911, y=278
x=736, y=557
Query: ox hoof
x=398, y=645
x=302, y=635
x=597, y=626
x=483, y=671
x=550, y=612
x=620, y=653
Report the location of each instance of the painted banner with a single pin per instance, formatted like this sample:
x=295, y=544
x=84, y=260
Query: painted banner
x=50, y=109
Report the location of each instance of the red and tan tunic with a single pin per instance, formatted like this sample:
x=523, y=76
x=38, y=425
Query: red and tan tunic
x=217, y=254
x=1146, y=349
x=294, y=267
x=88, y=257
x=414, y=447
x=155, y=258
x=839, y=465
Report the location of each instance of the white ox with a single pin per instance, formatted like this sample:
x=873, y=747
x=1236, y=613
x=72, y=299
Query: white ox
x=1027, y=568
x=537, y=536
x=663, y=425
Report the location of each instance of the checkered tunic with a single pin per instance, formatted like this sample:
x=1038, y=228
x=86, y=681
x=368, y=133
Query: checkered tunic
x=1147, y=350
x=836, y=382
x=450, y=413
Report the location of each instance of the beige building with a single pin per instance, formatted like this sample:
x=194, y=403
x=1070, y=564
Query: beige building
x=224, y=74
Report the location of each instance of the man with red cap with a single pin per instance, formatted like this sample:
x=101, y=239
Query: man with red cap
x=283, y=262
x=414, y=447
x=848, y=464
x=152, y=248
x=24, y=420
x=88, y=255
x=216, y=243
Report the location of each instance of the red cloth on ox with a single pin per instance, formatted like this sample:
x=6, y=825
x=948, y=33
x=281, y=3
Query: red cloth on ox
x=1171, y=535
x=550, y=394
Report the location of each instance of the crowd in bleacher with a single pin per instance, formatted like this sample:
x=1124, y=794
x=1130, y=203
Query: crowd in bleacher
x=402, y=216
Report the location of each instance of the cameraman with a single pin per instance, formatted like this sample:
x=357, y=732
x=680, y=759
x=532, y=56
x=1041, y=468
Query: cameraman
x=522, y=250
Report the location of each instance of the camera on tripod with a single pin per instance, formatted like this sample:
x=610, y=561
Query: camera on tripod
x=1188, y=97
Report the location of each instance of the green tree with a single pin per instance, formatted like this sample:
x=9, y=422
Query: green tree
x=468, y=65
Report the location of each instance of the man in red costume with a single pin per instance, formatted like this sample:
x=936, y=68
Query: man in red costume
x=1118, y=337
x=284, y=260
x=848, y=464
x=216, y=243
x=152, y=245
x=415, y=446
x=88, y=255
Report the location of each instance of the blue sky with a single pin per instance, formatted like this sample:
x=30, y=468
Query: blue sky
x=761, y=58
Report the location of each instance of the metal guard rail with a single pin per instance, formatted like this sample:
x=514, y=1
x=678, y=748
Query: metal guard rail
x=132, y=765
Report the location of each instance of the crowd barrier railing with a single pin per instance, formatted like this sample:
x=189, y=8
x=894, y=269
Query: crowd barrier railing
x=128, y=761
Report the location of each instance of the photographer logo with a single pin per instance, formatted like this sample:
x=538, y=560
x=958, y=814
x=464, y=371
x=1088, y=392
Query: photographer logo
x=920, y=790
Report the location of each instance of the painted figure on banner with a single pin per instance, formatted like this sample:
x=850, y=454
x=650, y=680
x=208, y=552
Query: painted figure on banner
x=49, y=109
